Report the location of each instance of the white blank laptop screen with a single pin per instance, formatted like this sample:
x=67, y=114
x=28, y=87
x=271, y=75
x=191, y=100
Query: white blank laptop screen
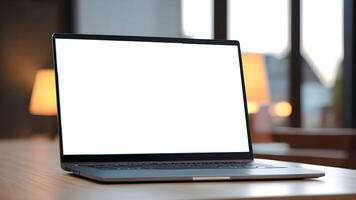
x=124, y=97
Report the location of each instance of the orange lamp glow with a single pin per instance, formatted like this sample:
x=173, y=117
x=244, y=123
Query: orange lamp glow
x=252, y=107
x=255, y=81
x=281, y=109
x=43, y=99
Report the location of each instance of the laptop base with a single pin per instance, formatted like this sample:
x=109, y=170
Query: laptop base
x=154, y=175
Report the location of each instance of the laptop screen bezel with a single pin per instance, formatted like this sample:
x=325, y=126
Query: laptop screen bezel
x=149, y=157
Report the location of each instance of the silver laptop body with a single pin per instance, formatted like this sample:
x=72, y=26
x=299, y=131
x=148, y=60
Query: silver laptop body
x=133, y=109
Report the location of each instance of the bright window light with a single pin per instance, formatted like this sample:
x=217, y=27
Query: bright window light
x=197, y=18
x=261, y=26
x=322, y=37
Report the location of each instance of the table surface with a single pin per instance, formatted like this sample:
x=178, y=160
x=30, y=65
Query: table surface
x=30, y=170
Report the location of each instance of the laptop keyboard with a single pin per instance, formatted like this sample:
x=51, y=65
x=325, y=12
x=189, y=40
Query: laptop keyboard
x=178, y=165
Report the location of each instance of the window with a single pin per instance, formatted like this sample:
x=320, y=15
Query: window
x=197, y=19
x=263, y=27
x=322, y=53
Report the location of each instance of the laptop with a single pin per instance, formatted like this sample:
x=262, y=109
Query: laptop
x=137, y=109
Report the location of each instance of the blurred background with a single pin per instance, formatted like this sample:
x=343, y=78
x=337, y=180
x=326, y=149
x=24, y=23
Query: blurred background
x=298, y=57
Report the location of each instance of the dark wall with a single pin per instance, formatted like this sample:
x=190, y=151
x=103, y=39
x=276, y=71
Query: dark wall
x=25, y=46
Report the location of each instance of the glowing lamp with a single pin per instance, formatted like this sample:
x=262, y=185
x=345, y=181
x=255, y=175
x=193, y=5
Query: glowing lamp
x=43, y=99
x=255, y=81
x=281, y=109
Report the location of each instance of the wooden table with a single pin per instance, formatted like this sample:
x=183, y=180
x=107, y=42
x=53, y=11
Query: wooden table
x=30, y=170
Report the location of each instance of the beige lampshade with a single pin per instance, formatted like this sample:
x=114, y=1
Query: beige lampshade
x=255, y=81
x=43, y=99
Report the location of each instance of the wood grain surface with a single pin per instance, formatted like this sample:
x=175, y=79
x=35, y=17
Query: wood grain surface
x=31, y=170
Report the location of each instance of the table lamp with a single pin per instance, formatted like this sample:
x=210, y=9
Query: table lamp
x=43, y=99
x=255, y=81
x=257, y=89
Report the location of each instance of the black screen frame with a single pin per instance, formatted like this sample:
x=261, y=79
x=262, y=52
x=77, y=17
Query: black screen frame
x=149, y=157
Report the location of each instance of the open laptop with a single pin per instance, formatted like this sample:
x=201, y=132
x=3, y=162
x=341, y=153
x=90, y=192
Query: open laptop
x=155, y=109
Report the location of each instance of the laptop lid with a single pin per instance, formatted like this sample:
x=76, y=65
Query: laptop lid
x=124, y=98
